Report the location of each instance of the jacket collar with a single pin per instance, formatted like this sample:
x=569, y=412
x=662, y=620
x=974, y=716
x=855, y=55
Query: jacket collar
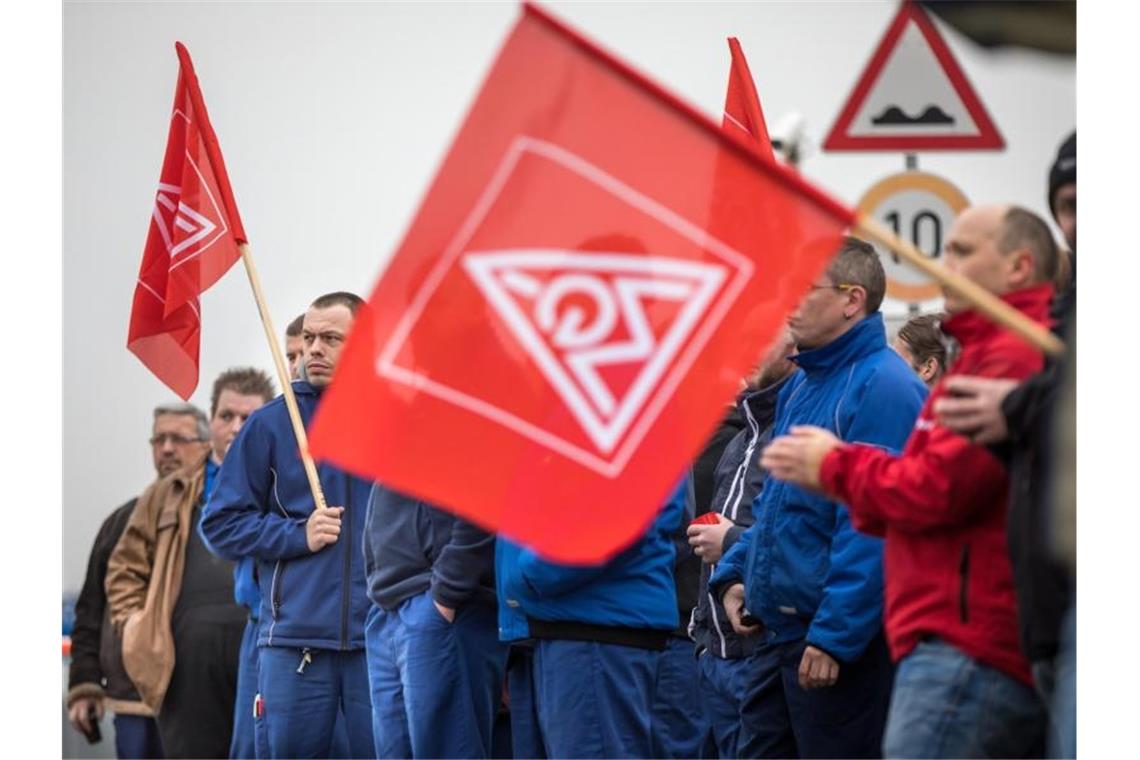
x=868, y=336
x=972, y=326
x=761, y=401
x=305, y=388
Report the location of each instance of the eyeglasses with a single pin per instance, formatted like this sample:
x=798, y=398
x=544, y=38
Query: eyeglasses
x=160, y=439
x=841, y=287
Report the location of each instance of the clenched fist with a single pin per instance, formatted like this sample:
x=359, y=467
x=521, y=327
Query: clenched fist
x=323, y=527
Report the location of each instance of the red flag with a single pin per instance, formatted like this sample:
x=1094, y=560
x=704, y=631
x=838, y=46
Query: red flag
x=742, y=109
x=566, y=318
x=194, y=234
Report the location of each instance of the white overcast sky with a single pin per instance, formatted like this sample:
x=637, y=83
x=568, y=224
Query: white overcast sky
x=333, y=117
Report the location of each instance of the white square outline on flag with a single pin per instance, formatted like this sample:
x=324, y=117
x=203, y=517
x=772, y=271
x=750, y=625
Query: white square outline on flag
x=385, y=364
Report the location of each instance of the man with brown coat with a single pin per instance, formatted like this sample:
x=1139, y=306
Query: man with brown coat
x=173, y=599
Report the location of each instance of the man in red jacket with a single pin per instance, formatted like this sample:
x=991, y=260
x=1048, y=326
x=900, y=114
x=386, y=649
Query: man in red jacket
x=963, y=686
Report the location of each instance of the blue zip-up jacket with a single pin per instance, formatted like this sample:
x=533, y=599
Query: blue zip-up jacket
x=807, y=573
x=259, y=509
x=246, y=592
x=411, y=546
x=633, y=590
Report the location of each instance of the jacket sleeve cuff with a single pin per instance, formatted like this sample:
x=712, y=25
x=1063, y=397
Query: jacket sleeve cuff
x=831, y=472
x=83, y=691
x=731, y=537
x=448, y=595
x=298, y=540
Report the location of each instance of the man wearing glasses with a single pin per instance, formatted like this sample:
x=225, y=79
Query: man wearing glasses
x=96, y=678
x=820, y=684
x=169, y=596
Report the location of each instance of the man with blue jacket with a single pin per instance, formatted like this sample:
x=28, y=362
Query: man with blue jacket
x=820, y=683
x=598, y=634
x=310, y=565
x=435, y=662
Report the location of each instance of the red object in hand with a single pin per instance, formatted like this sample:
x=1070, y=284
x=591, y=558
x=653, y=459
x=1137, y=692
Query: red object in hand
x=708, y=518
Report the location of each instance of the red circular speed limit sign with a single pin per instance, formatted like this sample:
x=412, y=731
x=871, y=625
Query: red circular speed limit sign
x=920, y=208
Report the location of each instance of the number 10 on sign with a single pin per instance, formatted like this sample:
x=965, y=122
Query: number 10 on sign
x=920, y=208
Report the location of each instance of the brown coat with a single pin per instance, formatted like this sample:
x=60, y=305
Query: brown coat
x=144, y=577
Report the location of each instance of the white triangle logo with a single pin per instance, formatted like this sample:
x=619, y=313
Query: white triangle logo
x=171, y=214
x=531, y=290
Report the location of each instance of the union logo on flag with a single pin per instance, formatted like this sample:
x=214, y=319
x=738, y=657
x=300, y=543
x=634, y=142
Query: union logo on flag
x=610, y=325
x=589, y=276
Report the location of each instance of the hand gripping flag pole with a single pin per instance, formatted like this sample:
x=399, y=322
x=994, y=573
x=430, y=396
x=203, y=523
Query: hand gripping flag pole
x=196, y=235
x=215, y=154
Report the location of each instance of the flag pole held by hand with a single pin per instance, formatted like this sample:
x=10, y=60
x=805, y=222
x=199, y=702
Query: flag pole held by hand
x=283, y=376
x=981, y=299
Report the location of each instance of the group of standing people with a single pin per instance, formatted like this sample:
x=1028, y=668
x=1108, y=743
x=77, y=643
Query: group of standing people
x=861, y=562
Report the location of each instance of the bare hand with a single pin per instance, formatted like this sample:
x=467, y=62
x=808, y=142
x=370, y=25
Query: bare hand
x=708, y=540
x=733, y=601
x=447, y=612
x=797, y=458
x=972, y=407
x=323, y=527
x=817, y=669
x=77, y=713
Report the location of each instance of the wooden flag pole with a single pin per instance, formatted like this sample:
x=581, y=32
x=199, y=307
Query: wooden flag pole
x=981, y=299
x=283, y=376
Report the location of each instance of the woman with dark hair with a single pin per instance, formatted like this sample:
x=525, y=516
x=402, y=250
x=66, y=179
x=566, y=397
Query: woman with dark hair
x=921, y=343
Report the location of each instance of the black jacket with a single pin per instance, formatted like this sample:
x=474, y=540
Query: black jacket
x=737, y=482
x=687, y=568
x=96, y=652
x=1045, y=589
x=411, y=546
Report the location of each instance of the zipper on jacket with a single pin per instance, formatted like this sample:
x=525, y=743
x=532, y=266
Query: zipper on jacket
x=347, y=563
x=964, y=581
x=278, y=572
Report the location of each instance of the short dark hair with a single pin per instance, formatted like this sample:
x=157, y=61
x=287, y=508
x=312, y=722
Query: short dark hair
x=1023, y=229
x=338, y=298
x=246, y=381
x=923, y=338
x=294, y=328
x=857, y=263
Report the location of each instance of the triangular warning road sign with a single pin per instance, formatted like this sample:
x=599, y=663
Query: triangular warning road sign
x=912, y=96
x=580, y=316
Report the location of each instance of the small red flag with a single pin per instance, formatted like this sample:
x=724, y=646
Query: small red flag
x=742, y=109
x=194, y=234
x=569, y=312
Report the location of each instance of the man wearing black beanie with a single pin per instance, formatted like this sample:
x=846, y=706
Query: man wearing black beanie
x=1063, y=190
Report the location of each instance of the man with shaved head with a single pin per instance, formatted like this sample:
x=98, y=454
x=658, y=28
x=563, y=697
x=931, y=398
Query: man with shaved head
x=951, y=612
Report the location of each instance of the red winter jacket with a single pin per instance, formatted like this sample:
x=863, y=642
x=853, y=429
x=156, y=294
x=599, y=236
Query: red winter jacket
x=941, y=505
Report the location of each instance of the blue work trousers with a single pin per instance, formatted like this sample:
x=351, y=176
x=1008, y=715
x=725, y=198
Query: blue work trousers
x=136, y=737
x=302, y=697
x=846, y=719
x=947, y=704
x=680, y=726
x=723, y=686
x=436, y=685
x=526, y=736
x=594, y=699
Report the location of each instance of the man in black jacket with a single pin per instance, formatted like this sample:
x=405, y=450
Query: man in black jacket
x=96, y=678
x=435, y=662
x=733, y=484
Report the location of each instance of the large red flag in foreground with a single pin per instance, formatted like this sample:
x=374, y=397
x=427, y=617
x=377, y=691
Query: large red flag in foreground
x=742, y=109
x=193, y=239
x=568, y=316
